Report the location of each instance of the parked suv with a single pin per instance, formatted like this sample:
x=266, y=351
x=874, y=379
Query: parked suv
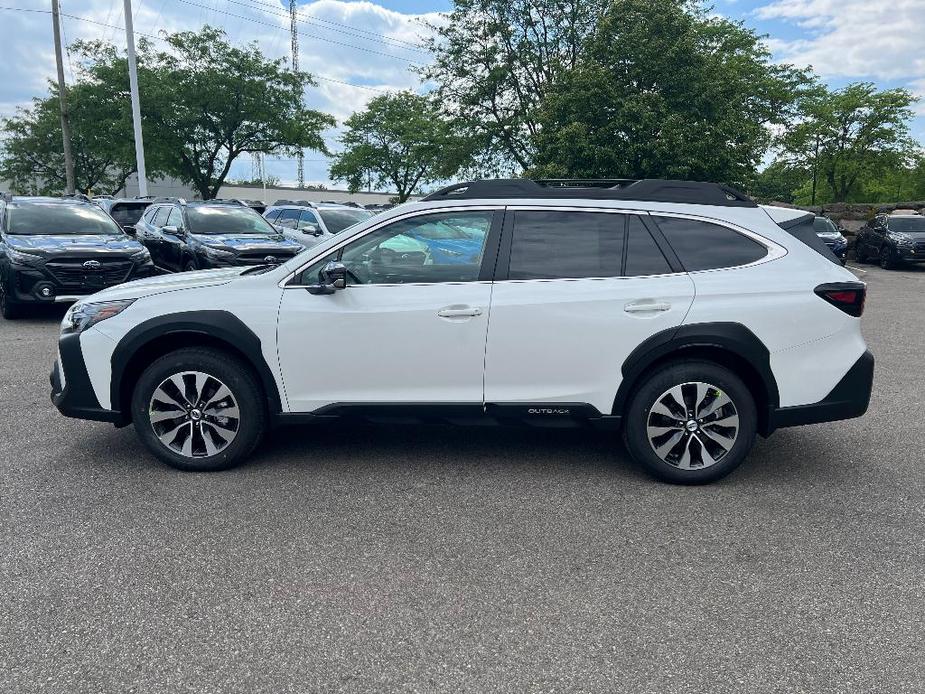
x=310, y=223
x=60, y=249
x=195, y=235
x=832, y=236
x=683, y=314
x=126, y=211
x=891, y=239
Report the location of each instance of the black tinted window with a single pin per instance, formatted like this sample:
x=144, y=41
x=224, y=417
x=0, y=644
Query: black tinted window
x=643, y=256
x=910, y=223
x=127, y=212
x=705, y=246
x=59, y=218
x=218, y=219
x=550, y=245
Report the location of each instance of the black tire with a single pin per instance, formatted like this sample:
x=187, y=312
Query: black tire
x=9, y=309
x=648, y=395
x=860, y=253
x=190, y=266
x=247, y=395
x=887, y=258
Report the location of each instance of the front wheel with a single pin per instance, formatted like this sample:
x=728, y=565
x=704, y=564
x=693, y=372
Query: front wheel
x=199, y=410
x=9, y=309
x=887, y=258
x=691, y=422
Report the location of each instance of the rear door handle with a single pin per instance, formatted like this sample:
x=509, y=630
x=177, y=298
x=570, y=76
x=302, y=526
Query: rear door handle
x=648, y=307
x=459, y=312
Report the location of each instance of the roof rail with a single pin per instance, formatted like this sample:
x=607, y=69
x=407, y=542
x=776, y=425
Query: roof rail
x=168, y=199
x=646, y=190
x=76, y=196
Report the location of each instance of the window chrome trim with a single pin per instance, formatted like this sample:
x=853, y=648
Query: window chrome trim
x=775, y=250
x=283, y=283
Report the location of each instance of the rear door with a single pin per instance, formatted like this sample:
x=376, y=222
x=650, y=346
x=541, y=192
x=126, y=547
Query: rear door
x=576, y=291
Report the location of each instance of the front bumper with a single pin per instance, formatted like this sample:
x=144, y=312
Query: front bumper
x=71, y=391
x=848, y=399
x=911, y=254
x=36, y=284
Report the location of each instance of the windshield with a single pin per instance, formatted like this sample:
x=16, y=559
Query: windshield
x=338, y=220
x=824, y=225
x=52, y=218
x=904, y=224
x=127, y=213
x=226, y=220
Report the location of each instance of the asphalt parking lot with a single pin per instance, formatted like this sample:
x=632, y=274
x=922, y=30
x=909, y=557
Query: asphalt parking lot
x=367, y=559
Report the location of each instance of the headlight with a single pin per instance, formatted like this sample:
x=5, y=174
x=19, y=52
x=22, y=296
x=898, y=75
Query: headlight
x=142, y=255
x=901, y=239
x=82, y=316
x=213, y=252
x=21, y=258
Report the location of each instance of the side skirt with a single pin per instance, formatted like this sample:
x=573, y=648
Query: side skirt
x=547, y=415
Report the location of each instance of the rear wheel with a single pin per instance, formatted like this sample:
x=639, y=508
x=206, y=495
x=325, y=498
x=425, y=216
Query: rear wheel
x=691, y=422
x=199, y=410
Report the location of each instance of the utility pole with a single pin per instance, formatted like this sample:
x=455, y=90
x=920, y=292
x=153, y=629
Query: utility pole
x=62, y=102
x=815, y=171
x=294, y=32
x=136, y=106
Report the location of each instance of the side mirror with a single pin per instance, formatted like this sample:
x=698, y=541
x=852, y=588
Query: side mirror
x=333, y=276
x=310, y=228
x=176, y=231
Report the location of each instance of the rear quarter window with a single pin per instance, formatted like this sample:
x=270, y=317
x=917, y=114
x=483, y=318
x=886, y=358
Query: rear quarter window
x=705, y=246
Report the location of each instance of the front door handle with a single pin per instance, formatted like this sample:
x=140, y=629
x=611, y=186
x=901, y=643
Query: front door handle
x=648, y=307
x=459, y=312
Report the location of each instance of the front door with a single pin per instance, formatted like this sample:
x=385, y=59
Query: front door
x=578, y=292
x=410, y=326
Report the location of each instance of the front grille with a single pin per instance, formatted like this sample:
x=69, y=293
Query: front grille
x=920, y=247
x=72, y=273
x=260, y=257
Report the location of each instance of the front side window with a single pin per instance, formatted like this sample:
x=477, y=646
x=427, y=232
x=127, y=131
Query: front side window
x=160, y=218
x=226, y=220
x=307, y=219
x=175, y=218
x=414, y=250
x=554, y=245
x=34, y=218
x=288, y=219
x=705, y=246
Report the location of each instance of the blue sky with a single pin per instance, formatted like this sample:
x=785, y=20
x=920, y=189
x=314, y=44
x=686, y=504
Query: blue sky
x=362, y=48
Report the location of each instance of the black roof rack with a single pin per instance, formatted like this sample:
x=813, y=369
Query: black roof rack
x=646, y=190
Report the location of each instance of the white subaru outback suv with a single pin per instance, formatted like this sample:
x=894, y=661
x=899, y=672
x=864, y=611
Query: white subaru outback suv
x=681, y=313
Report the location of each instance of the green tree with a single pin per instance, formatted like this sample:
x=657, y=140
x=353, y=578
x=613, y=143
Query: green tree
x=400, y=141
x=205, y=102
x=101, y=139
x=665, y=89
x=495, y=60
x=851, y=135
x=778, y=182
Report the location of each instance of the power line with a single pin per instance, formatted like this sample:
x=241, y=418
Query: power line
x=161, y=38
x=353, y=31
x=309, y=36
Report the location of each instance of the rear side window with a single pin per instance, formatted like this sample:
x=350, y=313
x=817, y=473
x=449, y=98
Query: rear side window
x=127, y=213
x=555, y=245
x=288, y=219
x=705, y=246
x=643, y=256
x=271, y=217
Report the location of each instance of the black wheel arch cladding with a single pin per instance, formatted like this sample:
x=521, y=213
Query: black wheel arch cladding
x=729, y=344
x=209, y=328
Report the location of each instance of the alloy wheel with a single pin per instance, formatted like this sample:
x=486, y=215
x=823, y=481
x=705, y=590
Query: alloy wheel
x=194, y=414
x=693, y=426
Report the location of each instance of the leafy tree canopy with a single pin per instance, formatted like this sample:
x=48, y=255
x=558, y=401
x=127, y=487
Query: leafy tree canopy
x=664, y=89
x=852, y=137
x=205, y=102
x=400, y=141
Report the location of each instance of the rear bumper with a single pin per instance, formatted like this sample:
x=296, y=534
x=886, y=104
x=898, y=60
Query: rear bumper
x=71, y=391
x=848, y=399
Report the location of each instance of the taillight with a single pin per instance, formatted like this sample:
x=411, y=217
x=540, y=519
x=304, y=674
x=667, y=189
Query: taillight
x=848, y=296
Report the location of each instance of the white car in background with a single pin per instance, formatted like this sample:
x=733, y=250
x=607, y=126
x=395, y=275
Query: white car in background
x=309, y=223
